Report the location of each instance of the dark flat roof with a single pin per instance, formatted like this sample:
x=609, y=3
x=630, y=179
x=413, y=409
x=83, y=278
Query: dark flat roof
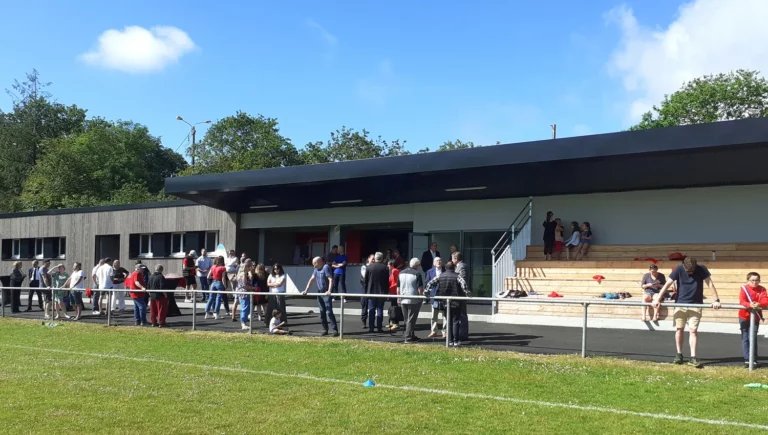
x=723, y=153
x=100, y=209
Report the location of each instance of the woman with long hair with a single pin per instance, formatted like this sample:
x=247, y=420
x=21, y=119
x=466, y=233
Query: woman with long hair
x=277, y=284
x=245, y=285
x=260, y=302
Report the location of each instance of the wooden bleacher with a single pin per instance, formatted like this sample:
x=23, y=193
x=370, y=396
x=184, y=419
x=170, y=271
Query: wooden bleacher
x=574, y=279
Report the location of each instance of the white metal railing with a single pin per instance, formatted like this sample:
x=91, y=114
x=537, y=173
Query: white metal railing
x=585, y=306
x=511, y=247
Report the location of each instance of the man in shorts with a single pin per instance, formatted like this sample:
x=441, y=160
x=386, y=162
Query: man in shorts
x=690, y=279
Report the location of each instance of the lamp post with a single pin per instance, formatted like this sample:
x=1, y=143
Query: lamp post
x=194, y=131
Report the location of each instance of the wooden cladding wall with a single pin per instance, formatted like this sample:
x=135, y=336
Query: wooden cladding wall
x=81, y=229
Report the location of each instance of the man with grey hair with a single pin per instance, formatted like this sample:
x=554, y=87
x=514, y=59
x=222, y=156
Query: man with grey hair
x=410, y=283
x=433, y=273
x=376, y=282
x=322, y=277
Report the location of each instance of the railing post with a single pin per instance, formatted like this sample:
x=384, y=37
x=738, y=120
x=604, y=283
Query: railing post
x=10, y=292
x=194, y=311
x=584, y=333
x=341, y=320
x=752, y=340
x=448, y=325
x=250, y=315
x=109, y=307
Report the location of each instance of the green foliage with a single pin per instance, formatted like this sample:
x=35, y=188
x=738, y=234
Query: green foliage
x=109, y=163
x=243, y=142
x=453, y=145
x=711, y=98
x=348, y=144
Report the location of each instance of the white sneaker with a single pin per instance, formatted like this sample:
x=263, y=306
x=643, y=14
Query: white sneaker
x=345, y=300
x=96, y=312
x=206, y=316
x=187, y=301
x=243, y=326
x=249, y=318
x=215, y=316
x=46, y=317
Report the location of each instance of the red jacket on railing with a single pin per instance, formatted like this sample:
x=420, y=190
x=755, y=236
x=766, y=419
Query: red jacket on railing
x=758, y=294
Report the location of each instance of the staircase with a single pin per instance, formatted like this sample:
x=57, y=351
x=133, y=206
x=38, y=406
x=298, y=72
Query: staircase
x=511, y=247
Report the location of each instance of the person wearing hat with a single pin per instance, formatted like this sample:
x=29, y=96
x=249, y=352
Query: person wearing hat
x=58, y=279
x=189, y=271
x=652, y=282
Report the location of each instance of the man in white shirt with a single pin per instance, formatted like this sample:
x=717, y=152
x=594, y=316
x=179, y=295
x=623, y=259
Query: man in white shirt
x=204, y=264
x=104, y=275
x=96, y=299
x=364, y=301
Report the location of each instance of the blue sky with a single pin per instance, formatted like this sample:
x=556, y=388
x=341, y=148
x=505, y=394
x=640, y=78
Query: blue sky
x=425, y=72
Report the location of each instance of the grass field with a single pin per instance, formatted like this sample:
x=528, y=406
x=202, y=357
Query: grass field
x=79, y=378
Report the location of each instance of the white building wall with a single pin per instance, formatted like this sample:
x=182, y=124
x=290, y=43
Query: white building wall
x=700, y=215
x=496, y=214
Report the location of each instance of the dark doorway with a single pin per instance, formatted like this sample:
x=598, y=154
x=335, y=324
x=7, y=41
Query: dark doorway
x=107, y=246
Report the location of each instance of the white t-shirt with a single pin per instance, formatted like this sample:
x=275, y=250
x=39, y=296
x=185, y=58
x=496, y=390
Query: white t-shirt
x=73, y=284
x=273, y=325
x=231, y=264
x=274, y=280
x=105, y=273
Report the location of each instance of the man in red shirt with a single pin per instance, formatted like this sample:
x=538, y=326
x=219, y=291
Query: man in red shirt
x=753, y=297
x=135, y=283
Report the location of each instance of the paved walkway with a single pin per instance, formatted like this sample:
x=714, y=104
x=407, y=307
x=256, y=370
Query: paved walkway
x=714, y=348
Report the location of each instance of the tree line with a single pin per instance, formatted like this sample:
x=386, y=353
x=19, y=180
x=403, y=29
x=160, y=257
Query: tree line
x=53, y=156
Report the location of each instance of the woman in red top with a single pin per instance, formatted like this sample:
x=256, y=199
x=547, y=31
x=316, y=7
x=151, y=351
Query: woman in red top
x=753, y=297
x=219, y=281
x=135, y=284
x=189, y=272
x=394, y=279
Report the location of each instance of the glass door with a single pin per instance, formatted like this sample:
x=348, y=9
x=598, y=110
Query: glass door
x=419, y=242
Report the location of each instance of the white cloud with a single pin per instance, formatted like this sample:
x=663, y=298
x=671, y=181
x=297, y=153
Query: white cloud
x=707, y=37
x=376, y=89
x=138, y=50
x=329, y=37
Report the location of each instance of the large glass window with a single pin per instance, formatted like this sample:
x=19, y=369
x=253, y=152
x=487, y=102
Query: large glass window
x=477, y=255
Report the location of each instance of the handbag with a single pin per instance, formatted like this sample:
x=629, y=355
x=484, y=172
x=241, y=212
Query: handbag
x=396, y=314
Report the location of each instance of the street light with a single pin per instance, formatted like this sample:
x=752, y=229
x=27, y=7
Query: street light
x=194, y=131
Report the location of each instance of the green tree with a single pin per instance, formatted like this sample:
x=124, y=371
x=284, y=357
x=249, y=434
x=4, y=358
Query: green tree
x=109, y=163
x=711, y=98
x=347, y=144
x=24, y=131
x=453, y=145
x=243, y=142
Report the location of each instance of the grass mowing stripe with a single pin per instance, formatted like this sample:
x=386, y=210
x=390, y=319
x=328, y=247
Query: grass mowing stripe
x=405, y=388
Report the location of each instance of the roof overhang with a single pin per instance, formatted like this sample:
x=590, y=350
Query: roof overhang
x=716, y=154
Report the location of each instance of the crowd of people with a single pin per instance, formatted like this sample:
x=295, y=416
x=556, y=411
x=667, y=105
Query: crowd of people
x=58, y=292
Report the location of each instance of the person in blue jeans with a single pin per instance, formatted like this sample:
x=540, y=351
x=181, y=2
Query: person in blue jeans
x=242, y=289
x=322, y=277
x=219, y=281
x=340, y=272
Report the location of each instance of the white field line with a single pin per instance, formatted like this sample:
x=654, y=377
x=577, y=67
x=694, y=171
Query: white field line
x=405, y=388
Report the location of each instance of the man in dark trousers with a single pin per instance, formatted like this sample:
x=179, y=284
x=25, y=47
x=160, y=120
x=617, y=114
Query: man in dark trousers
x=450, y=283
x=376, y=282
x=461, y=270
x=428, y=257
x=34, y=283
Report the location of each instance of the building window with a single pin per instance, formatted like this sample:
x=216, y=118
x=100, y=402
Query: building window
x=145, y=245
x=177, y=244
x=39, y=248
x=62, y=247
x=16, y=248
x=211, y=240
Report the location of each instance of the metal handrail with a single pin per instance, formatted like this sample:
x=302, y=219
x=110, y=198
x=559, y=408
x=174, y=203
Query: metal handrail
x=584, y=304
x=511, y=229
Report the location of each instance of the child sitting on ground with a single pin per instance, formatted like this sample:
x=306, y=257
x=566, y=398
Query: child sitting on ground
x=275, y=324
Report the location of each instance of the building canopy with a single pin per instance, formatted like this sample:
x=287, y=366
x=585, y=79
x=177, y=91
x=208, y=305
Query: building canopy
x=716, y=154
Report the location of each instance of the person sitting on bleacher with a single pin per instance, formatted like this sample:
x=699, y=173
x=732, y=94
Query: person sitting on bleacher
x=585, y=242
x=573, y=242
x=652, y=282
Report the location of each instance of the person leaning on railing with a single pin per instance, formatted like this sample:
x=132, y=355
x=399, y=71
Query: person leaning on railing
x=690, y=278
x=754, y=298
